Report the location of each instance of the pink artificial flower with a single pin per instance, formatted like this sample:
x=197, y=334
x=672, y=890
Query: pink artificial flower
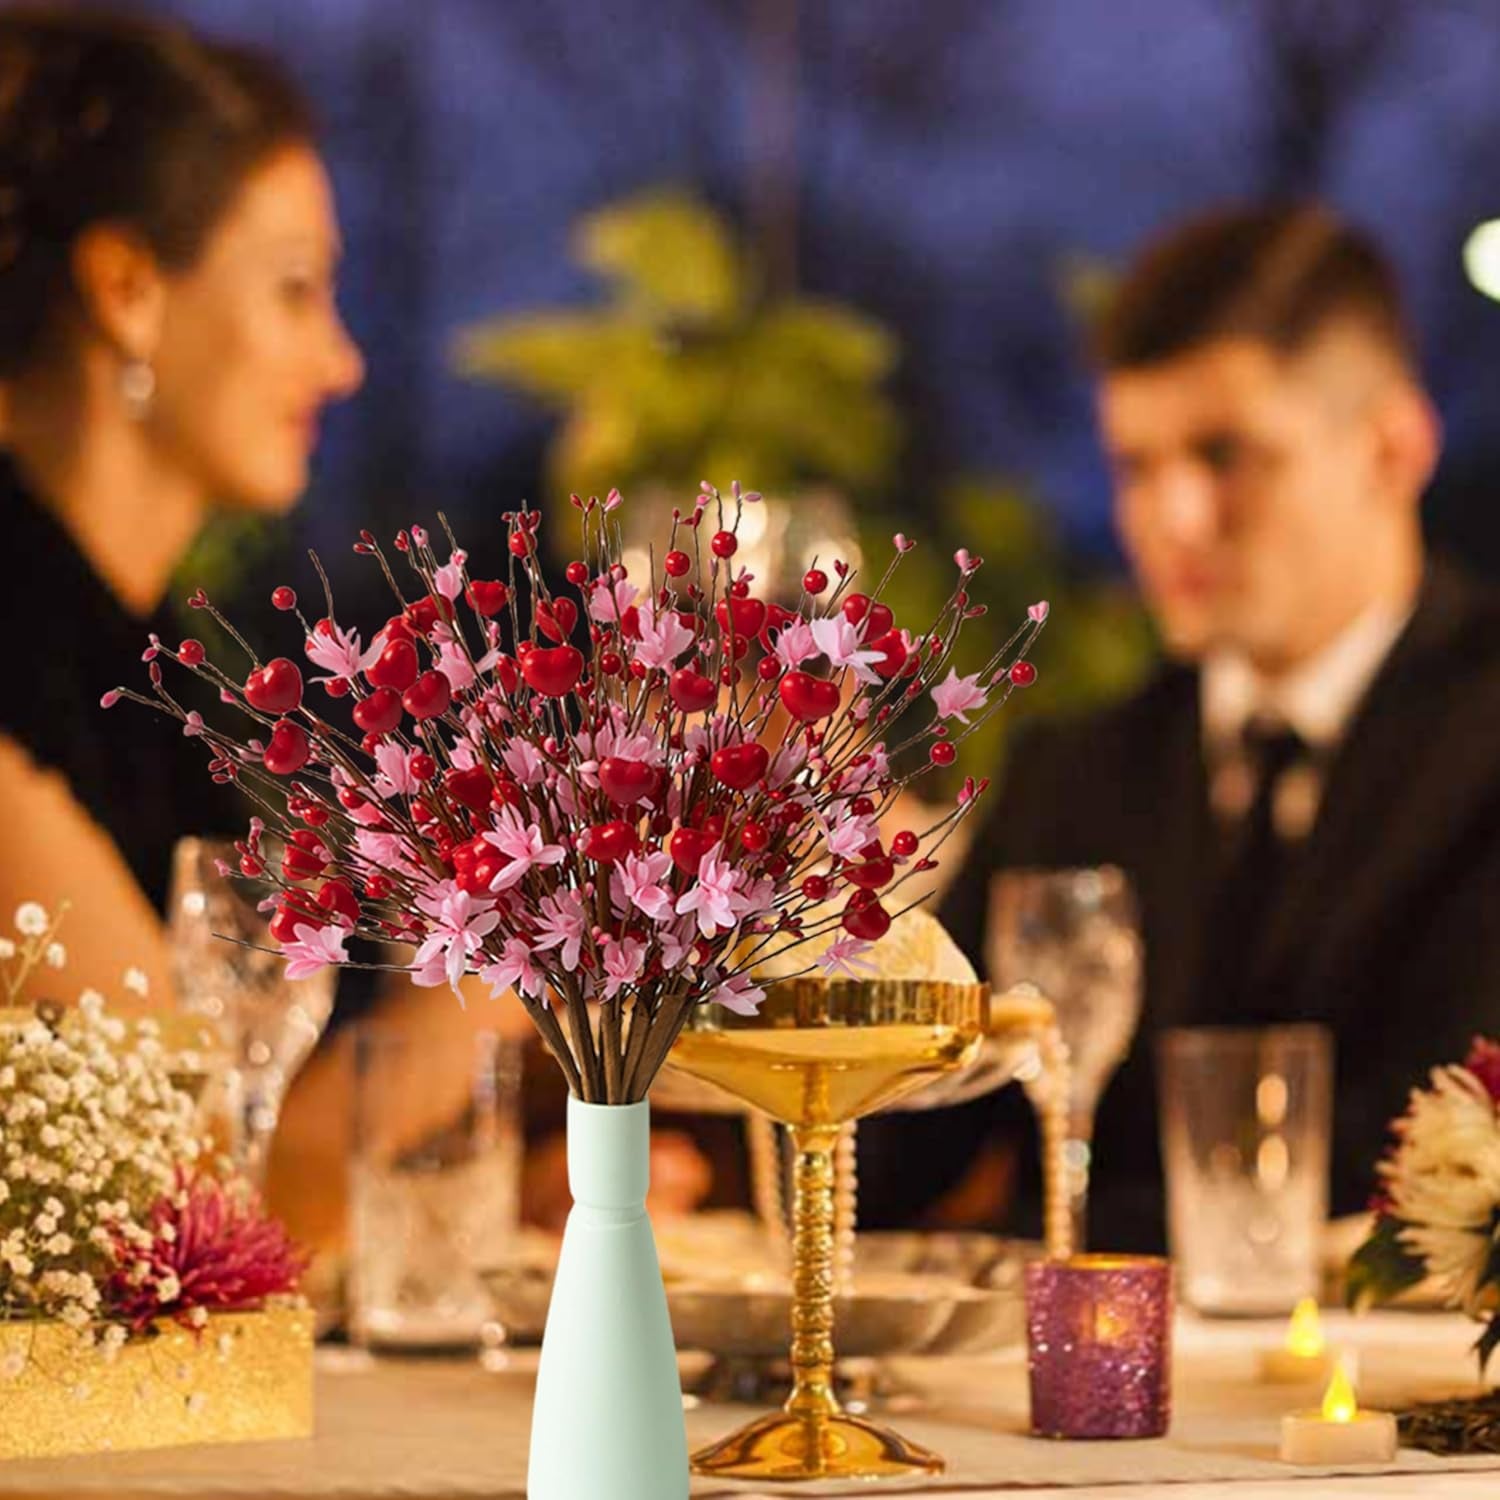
x=522, y=761
x=313, y=948
x=561, y=924
x=873, y=769
x=640, y=881
x=454, y=665
x=740, y=994
x=786, y=762
x=211, y=1248
x=338, y=653
x=756, y=899
x=623, y=961
x=848, y=837
x=795, y=644
x=843, y=957
x=712, y=896
x=449, y=579
x=382, y=851
x=394, y=778
x=608, y=603
x=662, y=640
x=677, y=945
x=524, y=845
x=460, y=926
x=839, y=641
x=955, y=696
x=192, y=726
x=514, y=970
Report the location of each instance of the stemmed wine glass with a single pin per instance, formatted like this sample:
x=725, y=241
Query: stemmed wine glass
x=1073, y=937
x=221, y=970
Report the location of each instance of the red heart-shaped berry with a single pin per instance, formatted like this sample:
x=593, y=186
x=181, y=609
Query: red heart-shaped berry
x=335, y=896
x=871, y=873
x=864, y=917
x=688, y=846
x=608, y=843
x=691, y=691
x=555, y=618
x=894, y=653
x=396, y=667
x=807, y=697
x=552, y=671
x=428, y=696
x=776, y=617
x=296, y=908
x=627, y=782
x=424, y=614
x=275, y=688
x=740, y=766
x=508, y=672
x=305, y=855
x=487, y=599
x=471, y=787
x=749, y=616
x=877, y=618
x=380, y=712
x=287, y=750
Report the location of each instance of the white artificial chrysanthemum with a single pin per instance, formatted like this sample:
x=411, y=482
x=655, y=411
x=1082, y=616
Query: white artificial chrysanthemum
x=1445, y=1171
x=136, y=982
x=31, y=919
x=56, y=955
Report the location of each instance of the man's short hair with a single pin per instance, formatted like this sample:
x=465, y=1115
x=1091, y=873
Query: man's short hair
x=1278, y=274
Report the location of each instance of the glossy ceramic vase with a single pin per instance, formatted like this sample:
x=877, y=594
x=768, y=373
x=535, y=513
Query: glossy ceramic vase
x=607, y=1423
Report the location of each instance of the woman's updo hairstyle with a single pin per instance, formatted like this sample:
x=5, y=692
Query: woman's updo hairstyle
x=109, y=119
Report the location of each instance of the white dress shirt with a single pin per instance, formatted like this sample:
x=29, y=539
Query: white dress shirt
x=1316, y=701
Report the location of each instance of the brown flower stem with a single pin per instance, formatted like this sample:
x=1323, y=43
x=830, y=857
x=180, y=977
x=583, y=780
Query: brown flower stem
x=583, y=1049
x=635, y=1045
x=545, y=1019
x=609, y=1044
x=664, y=1032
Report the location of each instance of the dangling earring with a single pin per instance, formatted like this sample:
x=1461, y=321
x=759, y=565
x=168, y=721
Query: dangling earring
x=137, y=387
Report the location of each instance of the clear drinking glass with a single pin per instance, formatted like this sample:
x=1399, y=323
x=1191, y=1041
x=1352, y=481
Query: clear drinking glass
x=221, y=970
x=1074, y=937
x=435, y=1182
x=1246, y=1118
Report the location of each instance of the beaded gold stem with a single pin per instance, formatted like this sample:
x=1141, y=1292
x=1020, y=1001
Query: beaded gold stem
x=812, y=1273
x=1057, y=1218
x=845, y=1208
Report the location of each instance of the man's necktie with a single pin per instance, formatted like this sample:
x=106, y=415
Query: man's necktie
x=1254, y=860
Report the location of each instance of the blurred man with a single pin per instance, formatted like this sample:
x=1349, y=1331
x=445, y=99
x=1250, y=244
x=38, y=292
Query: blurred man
x=1307, y=795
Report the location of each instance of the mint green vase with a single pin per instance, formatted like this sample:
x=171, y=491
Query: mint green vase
x=607, y=1422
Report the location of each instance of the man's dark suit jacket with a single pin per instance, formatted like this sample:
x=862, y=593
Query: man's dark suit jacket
x=1387, y=928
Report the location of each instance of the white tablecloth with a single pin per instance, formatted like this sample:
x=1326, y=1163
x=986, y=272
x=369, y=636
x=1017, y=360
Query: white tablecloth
x=389, y=1429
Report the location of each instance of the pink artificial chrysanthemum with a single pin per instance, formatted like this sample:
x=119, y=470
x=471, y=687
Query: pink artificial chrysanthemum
x=212, y=1247
x=1483, y=1062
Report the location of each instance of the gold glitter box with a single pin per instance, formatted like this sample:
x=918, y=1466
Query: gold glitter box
x=245, y=1377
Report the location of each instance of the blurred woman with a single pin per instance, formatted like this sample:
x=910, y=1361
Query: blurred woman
x=168, y=340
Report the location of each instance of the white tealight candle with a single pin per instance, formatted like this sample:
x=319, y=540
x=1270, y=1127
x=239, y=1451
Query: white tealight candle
x=1304, y=1358
x=1340, y=1433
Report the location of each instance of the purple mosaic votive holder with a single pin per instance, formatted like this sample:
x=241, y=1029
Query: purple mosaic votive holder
x=1099, y=1346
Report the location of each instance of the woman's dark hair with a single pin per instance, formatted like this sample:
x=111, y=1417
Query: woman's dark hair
x=106, y=118
x=1280, y=274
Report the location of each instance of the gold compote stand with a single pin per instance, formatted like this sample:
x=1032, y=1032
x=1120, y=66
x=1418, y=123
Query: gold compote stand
x=818, y=1054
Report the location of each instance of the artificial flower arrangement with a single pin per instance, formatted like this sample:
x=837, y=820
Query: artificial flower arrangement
x=117, y=1223
x=612, y=794
x=609, y=797
x=1437, y=1209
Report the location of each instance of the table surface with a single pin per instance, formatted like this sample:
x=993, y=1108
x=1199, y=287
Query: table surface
x=413, y=1429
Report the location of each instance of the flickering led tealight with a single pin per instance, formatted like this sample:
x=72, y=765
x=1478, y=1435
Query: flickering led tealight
x=1304, y=1358
x=1338, y=1433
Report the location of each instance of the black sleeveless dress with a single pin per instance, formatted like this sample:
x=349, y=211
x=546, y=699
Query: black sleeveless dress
x=67, y=639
